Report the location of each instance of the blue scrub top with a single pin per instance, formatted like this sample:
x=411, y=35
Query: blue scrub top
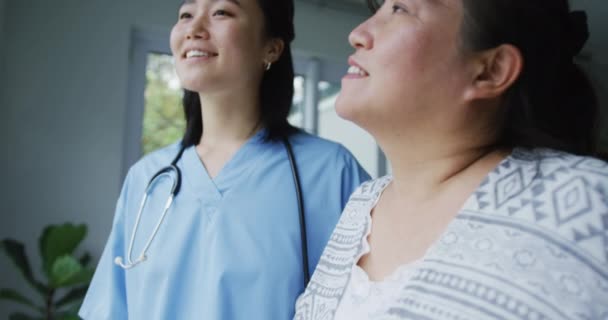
x=229, y=247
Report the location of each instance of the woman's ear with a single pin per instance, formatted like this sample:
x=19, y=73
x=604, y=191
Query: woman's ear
x=494, y=72
x=274, y=49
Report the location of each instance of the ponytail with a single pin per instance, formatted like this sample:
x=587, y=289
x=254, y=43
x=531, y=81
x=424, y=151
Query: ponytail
x=194, y=121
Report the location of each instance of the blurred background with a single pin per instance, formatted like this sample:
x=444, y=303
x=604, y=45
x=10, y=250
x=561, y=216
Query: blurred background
x=88, y=86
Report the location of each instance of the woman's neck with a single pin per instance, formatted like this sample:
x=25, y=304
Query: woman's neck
x=229, y=119
x=423, y=169
x=228, y=122
x=429, y=155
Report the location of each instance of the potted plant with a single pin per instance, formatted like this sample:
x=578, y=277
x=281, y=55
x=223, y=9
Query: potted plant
x=66, y=278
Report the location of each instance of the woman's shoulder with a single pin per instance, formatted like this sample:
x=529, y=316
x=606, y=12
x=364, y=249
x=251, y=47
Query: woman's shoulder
x=562, y=196
x=314, y=144
x=555, y=185
x=562, y=169
x=360, y=203
x=372, y=189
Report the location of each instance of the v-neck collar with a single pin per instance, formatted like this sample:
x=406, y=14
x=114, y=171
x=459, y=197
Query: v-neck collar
x=198, y=178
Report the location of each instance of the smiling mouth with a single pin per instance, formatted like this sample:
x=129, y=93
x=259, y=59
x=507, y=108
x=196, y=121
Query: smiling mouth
x=354, y=70
x=199, y=54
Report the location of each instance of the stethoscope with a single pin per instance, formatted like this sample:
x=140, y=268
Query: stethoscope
x=173, y=171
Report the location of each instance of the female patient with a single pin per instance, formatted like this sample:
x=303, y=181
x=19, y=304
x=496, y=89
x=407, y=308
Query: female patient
x=494, y=209
x=231, y=244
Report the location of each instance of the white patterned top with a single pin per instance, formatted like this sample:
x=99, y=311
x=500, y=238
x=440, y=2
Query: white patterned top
x=530, y=243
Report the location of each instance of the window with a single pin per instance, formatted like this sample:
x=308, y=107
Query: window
x=296, y=115
x=163, y=120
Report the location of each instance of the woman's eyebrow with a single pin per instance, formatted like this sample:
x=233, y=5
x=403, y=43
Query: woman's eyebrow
x=194, y=1
x=441, y=3
x=237, y=2
x=434, y=2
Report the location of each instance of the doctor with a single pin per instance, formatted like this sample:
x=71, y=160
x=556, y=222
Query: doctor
x=219, y=235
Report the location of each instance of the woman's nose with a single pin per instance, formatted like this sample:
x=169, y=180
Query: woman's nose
x=198, y=29
x=360, y=37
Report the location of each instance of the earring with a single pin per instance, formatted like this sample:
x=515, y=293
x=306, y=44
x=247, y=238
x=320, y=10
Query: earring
x=268, y=65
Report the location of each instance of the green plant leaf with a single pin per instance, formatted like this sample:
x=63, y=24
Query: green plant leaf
x=67, y=315
x=21, y=316
x=70, y=313
x=66, y=271
x=59, y=240
x=15, y=251
x=12, y=295
x=73, y=296
x=84, y=276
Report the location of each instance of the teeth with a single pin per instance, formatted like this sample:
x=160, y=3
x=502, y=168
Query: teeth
x=356, y=70
x=197, y=53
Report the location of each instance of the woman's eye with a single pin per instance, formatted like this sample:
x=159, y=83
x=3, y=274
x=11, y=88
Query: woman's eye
x=221, y=13
x=397, y=9
x=185, y=15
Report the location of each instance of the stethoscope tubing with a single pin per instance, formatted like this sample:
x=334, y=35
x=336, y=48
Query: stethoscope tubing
x=174, y=189
x=303, y=234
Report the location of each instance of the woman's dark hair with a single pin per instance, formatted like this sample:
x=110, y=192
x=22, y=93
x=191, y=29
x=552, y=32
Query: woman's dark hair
x=276, y=89
x=552, y=104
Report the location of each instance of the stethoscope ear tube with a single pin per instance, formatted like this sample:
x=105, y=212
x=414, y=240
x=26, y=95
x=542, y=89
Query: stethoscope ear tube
x=304, y=240
x=177, y=182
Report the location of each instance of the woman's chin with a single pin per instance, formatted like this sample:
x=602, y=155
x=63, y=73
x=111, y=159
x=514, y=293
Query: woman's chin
x=347, y=109
x=200, y=85
x=191, y=86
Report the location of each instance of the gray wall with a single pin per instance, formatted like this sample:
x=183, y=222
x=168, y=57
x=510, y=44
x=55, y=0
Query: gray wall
x=63, y=112
x=63, y=91
x=323, y=32
x=2, y=20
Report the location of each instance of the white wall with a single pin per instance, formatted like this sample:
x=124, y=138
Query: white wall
x=63, y=111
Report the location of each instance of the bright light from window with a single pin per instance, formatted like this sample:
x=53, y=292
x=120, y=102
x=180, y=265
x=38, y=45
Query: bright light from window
x=163, y=121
